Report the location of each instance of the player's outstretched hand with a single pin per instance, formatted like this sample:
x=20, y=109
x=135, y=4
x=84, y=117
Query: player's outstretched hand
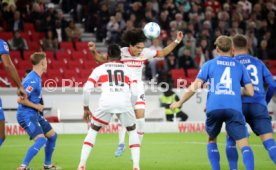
x=91, y=46
x=175, y=105
x=86, y=114
x=179, y=36
x=21, y=92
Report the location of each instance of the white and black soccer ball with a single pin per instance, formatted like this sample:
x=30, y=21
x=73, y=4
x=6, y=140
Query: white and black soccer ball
x=151, y=30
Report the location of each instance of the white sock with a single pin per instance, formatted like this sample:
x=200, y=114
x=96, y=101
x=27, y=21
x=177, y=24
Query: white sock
x=122, y=134
x=140, y=128
x=87, y=146
x=134, y=145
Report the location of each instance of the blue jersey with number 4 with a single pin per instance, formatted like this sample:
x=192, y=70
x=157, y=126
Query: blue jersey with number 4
x=32, y=86
x=259, y=75
x=225, y=76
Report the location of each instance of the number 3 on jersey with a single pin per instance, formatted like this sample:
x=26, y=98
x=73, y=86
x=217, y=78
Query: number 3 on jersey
x=117, y=77
x=252, y=70
x=226, y=78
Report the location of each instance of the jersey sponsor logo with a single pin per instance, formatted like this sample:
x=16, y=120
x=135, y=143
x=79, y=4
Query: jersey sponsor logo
x=134, y=63
x=32, y=82
x=29, y=89
x=6, y=47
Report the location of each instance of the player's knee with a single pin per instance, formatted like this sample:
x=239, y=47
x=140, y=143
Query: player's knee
x=212, y=139
x=130, y=128
x=96, y=128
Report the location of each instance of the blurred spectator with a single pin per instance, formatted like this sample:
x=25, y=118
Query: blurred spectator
x=102, y=20
x=60, y=26
x=246, y=7
x=156, y=45
x=186, y=61
x=181, y=24
x=47, y=23
x=214, y=4
x=164, y=21
x=92, y=17
x=166, y=99
x=262, y=50
x=200, y=57
x=7, y=10
x=18, y=42
x=49, y=42
x=112, y=30
x=36, y=16
x=16, y=23
x=73, y=33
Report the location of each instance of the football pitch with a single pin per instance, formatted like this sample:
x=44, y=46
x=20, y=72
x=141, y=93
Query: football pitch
x=174, y=151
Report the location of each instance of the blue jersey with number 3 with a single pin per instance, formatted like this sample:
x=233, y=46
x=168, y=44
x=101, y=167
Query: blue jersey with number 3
x=225, y=76
x=259, y=75
x=4, y=48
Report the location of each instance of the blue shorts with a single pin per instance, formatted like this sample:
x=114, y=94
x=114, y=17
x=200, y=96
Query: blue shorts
x=256, y=115
x=234, y=120
x=2, y=116
x=33, y=123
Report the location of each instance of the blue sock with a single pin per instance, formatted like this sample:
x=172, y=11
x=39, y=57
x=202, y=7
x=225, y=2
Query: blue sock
x=231, y=153
x=1, y=141
x=248, y=158
x=49, y=149
x=213, y=155
x=270, y=146
x=33, y=150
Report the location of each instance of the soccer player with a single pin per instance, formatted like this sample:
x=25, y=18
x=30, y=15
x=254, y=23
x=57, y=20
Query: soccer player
x=117, y=87
x=135, y=57
x=254, y=108
x=5, y=58
x=226, y=77
x=29, y=118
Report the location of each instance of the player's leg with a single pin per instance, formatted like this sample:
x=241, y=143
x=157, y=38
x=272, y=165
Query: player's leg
x=231, y=153
x=140, y=121
x=121, y=146
x=236, y=129
x=2, y=124
x=98, y=120
x=31, y=126
x=261, y=126
x=128, y=120
x=49, y=148
x=213, y=127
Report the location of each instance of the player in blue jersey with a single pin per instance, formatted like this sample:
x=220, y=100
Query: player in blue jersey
x=5, y=58
x=226, y=77
x=29, y=118
x=255, y=107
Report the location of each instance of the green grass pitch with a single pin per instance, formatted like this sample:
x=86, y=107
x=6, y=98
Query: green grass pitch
x=175, y=151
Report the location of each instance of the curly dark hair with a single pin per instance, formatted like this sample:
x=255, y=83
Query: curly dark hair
x=134, y=36
x=114, y=51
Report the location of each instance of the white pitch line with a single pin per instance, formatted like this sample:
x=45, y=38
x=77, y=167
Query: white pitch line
x=144, y=143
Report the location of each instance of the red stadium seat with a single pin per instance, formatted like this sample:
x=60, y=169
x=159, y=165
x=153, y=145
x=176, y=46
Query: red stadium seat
x=29, y=27
x=37, y=36
x=66, y=45
x=63, y=56
x=81, y=46
x=76, y=55
x=26, y=36
x=24, y=65
x=85, y=73
x=6, y=35
x=27, y=54
x=33, y=45
x=16, y=57
x=192, y=73
x=272, y=63
x=73, y=65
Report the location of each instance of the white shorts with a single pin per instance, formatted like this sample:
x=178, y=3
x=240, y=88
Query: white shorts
x=102, y=118
x=138, y=101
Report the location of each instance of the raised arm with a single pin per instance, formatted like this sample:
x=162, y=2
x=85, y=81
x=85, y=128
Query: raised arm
x=165, y=51
x=188, y=94
x=97, y=56
x=10, y=68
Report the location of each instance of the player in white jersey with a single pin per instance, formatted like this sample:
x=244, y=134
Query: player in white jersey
x=117, y=85
x=135, y=57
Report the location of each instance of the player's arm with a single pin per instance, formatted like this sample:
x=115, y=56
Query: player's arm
x=188, y=94
x=10, y=68
x=269, y=81
x=248, y=90
x=165, y=51
x=88, y=87
x=27, y=102
x=97, y=56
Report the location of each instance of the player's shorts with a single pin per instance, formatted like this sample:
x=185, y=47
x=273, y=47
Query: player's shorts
x=102, y=118
x=234, y=120
x=138, y=101
x=33, y=123
x=2, y=116
x=256, y=115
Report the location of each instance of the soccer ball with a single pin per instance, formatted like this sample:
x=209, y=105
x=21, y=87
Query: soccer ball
x=151, y=30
